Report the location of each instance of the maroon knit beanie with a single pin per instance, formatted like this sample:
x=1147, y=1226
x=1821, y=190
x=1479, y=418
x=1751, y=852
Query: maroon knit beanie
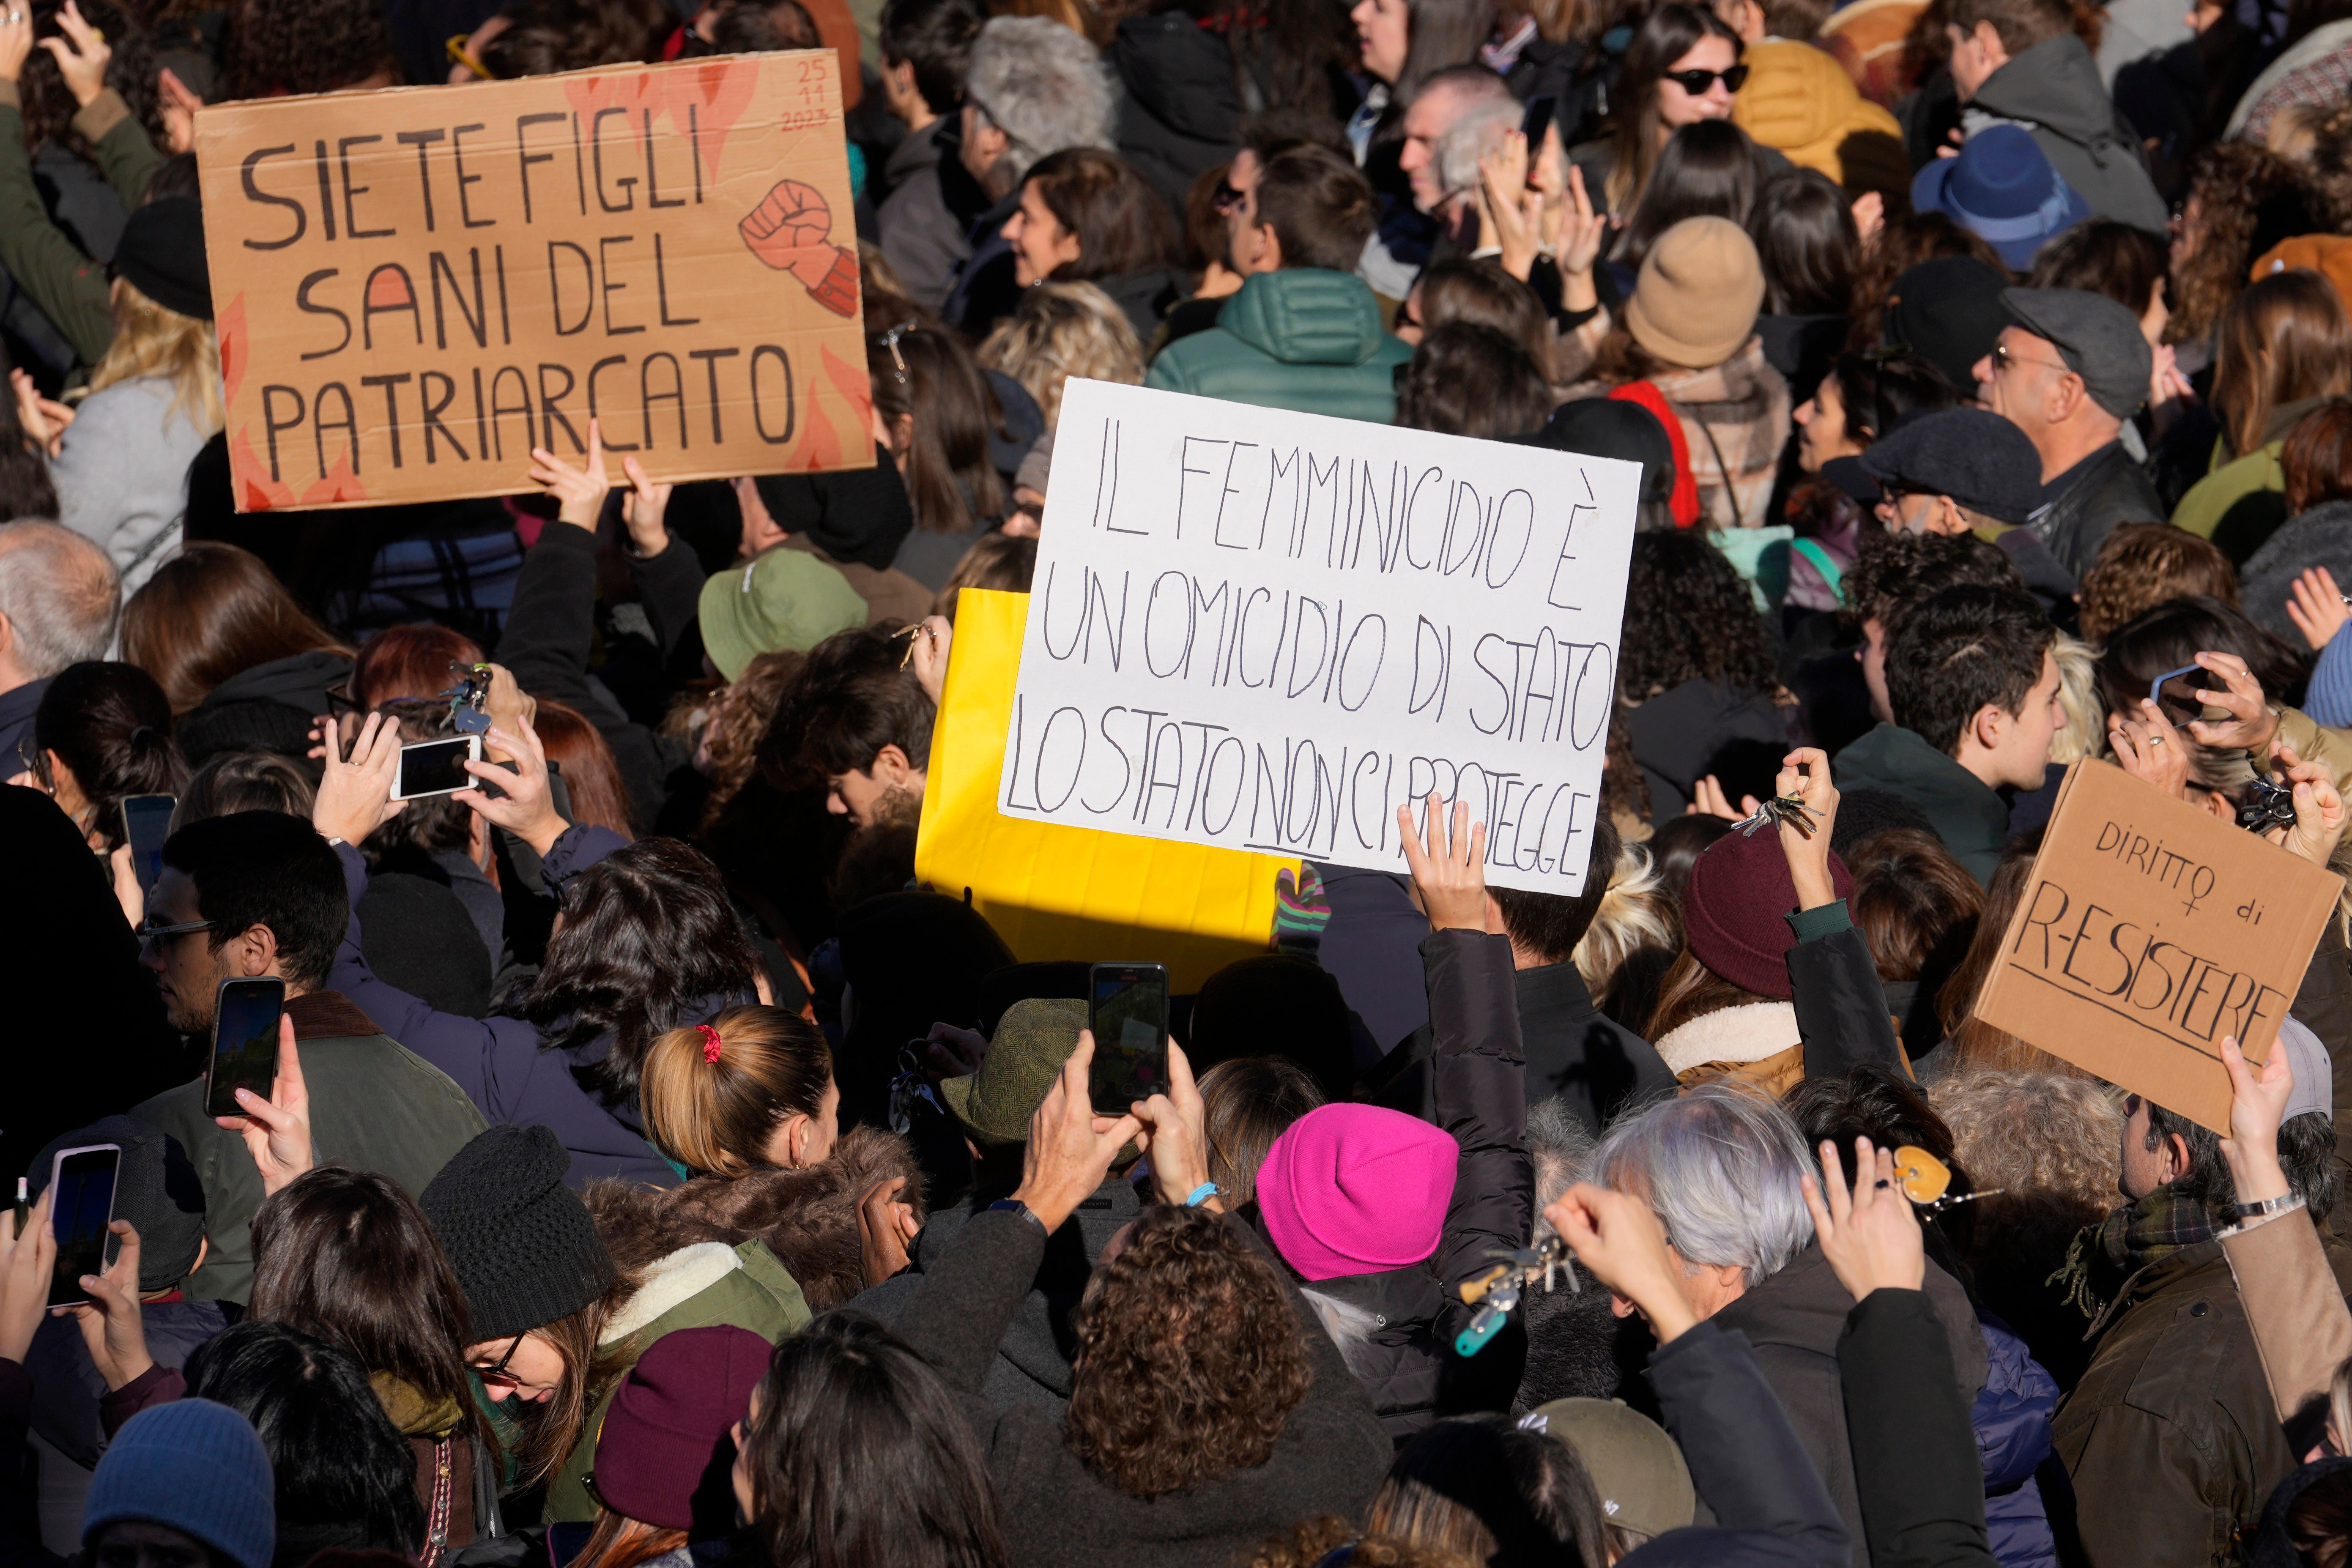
x=659, y=1455
x=1735, y=906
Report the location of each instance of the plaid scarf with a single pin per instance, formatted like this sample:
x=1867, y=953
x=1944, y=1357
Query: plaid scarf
x=2106, y=1254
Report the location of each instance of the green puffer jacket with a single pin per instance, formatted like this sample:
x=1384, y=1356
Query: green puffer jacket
x=1304, y=338
x=694, y=1287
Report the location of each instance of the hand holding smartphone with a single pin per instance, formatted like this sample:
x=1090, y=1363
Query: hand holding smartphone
x=146, y=823
x=82, y=1206
x=245, y=1043
x=1126, y=1009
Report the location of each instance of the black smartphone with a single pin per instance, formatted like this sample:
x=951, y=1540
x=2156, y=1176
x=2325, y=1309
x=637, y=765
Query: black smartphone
x=1127, y=1008
x=81, y=1206
x=1539, y=115
x=245, y=1043
x=436, y=767
x=146, y=823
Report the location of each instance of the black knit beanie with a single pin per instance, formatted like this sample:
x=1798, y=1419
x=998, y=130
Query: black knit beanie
x=523, y=1248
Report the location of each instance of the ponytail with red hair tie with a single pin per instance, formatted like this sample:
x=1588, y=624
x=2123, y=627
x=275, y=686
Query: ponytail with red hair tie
x=711, y=1042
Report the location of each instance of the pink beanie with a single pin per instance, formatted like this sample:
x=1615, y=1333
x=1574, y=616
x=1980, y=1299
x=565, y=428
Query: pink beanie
x=1355, y=1189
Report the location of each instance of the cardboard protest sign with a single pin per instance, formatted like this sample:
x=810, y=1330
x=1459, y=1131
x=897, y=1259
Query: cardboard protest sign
x=415, y=287
x=1073, y=893
x=1262, y=630
x=2148, y=932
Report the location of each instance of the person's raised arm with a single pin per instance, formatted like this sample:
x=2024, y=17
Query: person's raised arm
x=1745, y=1458
x=71, y=288
x=1916, y=1471
x=2302, y=1328
x=1477, y=1080
x=957, y=1316
x=551, y=628
x=125, y=155
x=1840, y=1006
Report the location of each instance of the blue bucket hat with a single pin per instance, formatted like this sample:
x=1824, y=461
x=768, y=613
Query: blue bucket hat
x=194, y=1467
x=2002, y=189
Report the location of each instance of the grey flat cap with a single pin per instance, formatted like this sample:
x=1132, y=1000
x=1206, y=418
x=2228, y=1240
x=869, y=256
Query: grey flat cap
x=2099, y=340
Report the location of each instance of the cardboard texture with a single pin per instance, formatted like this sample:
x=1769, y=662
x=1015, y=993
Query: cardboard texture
x=1263, y=630
x=415, y=287
x=2148, y=931
x=1069, y=892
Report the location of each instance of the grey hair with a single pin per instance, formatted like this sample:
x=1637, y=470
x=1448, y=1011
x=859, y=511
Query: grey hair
x=1477, y=131
x=1562, y=1148
x=1044, y=85
x=1720, y=1165
x=60, y=593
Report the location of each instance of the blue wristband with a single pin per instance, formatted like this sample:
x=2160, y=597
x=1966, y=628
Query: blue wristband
x=1200, y=1194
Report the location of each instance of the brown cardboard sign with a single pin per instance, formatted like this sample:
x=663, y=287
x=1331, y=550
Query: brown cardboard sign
x=2148, y=931
x=415, y=287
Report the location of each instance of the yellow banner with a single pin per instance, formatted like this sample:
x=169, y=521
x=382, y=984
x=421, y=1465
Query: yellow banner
x=1056, y=893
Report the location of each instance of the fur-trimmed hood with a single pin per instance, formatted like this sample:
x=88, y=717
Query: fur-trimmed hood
x=807, y=1217
x=1743, y=1034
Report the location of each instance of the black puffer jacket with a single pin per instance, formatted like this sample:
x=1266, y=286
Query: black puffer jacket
x=1180, y=106
x=1396, y=1328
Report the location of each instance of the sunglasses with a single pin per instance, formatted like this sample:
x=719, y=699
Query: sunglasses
x=148, y=931
x=1226, y=199
x=1698, y=83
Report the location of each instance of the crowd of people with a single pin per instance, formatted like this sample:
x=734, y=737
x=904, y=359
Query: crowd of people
x=657, y=1171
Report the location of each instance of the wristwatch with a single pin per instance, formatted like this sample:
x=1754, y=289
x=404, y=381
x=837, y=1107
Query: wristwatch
x=1016, y=1205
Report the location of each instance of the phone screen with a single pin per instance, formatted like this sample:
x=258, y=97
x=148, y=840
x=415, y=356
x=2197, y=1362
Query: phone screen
x=436, y=767
x=245, y=1043
x=81, y=1201
x=1128, y=1011
x=2176, y=694
x=146, y=823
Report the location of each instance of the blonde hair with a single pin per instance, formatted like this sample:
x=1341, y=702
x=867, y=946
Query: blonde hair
x=2085, y=734
x=149, y=339
x=1059, y=331
x=1637, y=912
x=713, y=1103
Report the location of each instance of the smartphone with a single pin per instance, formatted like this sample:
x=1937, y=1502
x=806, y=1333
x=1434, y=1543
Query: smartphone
x=2175, y=693
x=81, y=1206
x=245, y=1043
x=146, y=823
x=1538, y=116
x=1127, y=1008
x=436, y=767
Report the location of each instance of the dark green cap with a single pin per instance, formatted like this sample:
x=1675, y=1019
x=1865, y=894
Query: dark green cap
x=1644, y=1485
x=1033, y=1039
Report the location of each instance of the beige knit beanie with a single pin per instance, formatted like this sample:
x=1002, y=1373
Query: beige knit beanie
x=1694, y=303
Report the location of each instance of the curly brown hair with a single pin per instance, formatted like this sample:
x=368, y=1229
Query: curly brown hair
x=2144, y=564
x=49, y=108
x=1190, y=1357
x=2230, y=183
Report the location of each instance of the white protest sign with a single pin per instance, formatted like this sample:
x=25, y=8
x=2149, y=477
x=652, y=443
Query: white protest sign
x=1256, y=629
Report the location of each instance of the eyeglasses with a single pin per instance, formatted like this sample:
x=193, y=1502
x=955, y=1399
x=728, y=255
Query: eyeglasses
x=149, y=933
x=1698, y=83
x=497, y=1368
x=1226, y=199
x=2001, y=358
x=460, y=55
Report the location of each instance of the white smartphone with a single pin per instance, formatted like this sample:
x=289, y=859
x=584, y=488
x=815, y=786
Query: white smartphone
x=436, y=767
x=81, y=1206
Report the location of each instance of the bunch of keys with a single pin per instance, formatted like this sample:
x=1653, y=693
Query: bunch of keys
x=1502, y=1285
x=1775, y=810
x=466, y=714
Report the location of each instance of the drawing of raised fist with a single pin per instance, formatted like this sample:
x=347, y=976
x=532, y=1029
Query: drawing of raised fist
x=789, y=231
